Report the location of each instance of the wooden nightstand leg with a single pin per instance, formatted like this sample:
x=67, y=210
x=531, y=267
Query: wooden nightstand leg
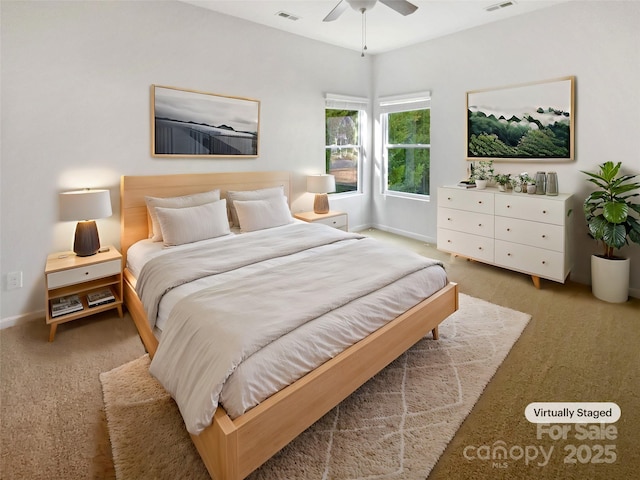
x=120, y=311
x=52, y=331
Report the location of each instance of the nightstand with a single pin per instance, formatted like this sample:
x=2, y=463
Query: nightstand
x=337, y=220
x=70, y=278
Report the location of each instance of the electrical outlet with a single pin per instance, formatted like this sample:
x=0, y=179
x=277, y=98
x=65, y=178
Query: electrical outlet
x=14, y=280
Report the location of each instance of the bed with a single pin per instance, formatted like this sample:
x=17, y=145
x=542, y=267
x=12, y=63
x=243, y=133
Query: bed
x=232, y=445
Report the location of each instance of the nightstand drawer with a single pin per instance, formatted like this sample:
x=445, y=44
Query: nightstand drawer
x=83, y=274
x=339, y=221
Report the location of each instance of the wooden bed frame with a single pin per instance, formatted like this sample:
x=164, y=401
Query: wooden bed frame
x=232, y=449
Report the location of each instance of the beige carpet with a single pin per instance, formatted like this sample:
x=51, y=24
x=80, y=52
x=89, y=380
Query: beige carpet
x=394, y=427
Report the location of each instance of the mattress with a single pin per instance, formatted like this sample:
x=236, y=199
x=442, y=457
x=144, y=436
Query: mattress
x=291, y=356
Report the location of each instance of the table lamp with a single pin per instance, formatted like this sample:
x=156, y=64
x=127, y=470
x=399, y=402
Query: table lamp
x=85, y=206
x=321, y=185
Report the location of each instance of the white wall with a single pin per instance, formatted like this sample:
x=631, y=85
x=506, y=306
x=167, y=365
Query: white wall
x=598, y=42
x=76, y=80
x=75, y=91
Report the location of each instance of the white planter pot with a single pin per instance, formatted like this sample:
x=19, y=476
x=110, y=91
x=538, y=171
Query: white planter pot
x=481, y=184
x=610, y=278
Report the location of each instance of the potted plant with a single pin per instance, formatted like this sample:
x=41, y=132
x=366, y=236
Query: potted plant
x=481, y=173
x=521, y=181
x=608, y=212
x=503, y=180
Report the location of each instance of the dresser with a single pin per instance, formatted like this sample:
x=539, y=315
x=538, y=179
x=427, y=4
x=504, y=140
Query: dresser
x=522, y=232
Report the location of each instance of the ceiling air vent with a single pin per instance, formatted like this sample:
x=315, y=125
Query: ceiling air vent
x=288, y=16
x=498, y=6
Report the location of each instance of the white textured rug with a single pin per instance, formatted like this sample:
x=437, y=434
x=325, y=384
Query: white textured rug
x=395, y=426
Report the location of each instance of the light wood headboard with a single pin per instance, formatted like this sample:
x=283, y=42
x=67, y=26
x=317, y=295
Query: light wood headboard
x=133, y=189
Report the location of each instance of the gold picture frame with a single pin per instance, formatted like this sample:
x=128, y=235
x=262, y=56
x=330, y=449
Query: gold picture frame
x=527, y=122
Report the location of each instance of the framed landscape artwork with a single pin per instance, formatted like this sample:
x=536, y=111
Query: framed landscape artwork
x=188, y=123
x=533, y=121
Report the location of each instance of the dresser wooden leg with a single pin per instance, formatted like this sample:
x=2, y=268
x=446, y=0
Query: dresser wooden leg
x=536, y=281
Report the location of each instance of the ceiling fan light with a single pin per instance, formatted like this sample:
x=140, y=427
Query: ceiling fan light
x=360, y=5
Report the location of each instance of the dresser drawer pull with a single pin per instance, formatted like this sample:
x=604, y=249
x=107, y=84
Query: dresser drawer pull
x=508, y=254
x=508, y=206
x=479, y=248
x=449, y=219
x=479, y=224
x=544, y=236
x=479, y=202
x=86, y=273
x=544, y=211
x=448, y=198
x=508, y=229
x=543, y=262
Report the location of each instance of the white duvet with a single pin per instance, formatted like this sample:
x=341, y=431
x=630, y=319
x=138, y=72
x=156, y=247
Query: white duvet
x=296, y=345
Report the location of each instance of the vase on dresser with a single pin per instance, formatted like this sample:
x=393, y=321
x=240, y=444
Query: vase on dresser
x=481, y=184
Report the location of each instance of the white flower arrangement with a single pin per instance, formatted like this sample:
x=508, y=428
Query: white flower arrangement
x=482, y=170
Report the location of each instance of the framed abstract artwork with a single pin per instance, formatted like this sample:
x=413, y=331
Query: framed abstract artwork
x=188, y=123
x=532, y=121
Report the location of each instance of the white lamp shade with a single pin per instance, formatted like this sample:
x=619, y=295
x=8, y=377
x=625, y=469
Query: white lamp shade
x=321, y=183
x=85, y=205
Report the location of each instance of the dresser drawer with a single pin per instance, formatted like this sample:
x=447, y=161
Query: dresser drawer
x=83, y=274
x=531, y=207
x=463, y=221
x=543, y=235
x=339, y=221
x=473, y=201
x=465, y=244
x=531, y=260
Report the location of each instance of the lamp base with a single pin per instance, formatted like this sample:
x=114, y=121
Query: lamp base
x=321, y=203
x=86, y=241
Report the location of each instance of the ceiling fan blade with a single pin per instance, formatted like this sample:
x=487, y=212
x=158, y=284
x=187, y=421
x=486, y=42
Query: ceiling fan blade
x=337, y=11
x=401, y=6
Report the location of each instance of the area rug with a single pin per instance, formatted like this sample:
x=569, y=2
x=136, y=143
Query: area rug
x=395, y=426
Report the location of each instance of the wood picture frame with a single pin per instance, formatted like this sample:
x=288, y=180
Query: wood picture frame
x=527, y=122
x=189, y=123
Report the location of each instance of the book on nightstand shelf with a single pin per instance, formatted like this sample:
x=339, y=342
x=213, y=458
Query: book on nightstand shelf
x=101, y=297
x=65, y=305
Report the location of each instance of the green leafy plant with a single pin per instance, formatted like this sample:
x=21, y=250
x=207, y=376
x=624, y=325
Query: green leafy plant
x=608, y=209
x=482, y=170
x=502, y=178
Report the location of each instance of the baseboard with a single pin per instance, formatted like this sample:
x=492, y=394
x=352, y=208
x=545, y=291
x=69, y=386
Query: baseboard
x=21, y=319
x=404, y=233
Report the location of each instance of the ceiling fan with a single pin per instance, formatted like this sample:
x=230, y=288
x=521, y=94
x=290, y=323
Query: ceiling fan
x=403, y=7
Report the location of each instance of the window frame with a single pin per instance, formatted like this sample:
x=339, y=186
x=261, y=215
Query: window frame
x=398, y=104
x=360, y=104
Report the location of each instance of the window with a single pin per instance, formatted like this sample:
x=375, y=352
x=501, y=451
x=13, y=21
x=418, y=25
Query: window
x=345, y=119
x=406, y=126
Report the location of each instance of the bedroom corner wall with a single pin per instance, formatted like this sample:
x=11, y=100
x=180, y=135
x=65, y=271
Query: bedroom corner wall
x=75, y=89
x=598, y=42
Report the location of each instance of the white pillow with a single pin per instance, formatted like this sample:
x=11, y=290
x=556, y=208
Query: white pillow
x=242, y=195
x=192, y=200
x=261, y=214
x=191, y=224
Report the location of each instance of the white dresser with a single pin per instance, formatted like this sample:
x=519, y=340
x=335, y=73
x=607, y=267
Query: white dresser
x=521, y=232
